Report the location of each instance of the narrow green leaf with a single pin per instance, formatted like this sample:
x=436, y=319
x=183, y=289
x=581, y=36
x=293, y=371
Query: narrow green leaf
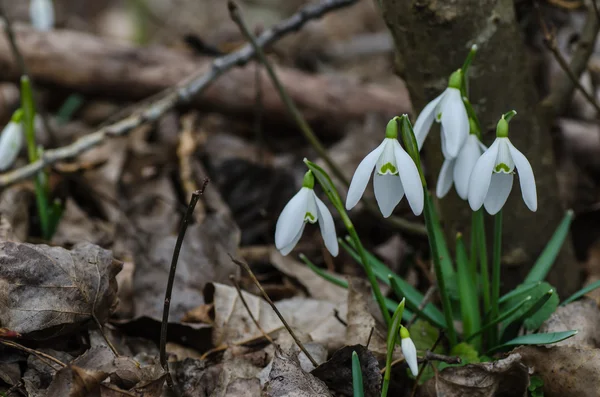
x=544, y=263
x=440, y=257
x=326, y=275
x=537, y=339
x=391, y=344
x=533, y=316
x=469, y=301
x=522, y=289
x=357, y=378
x=536, y=311
x=503, y=316
x=581, y=292
x=429, y=312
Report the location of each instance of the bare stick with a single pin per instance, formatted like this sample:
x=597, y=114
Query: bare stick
x=426, y=362
x=428, y=295
x=40, y=355
x=182, y=94
x=165, y=320
x=245, y=266
x=239, y=291
x=301, y=122
x=557, y=101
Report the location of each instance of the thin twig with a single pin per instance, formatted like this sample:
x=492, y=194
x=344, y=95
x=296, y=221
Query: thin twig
x=559, y=98
x=595, y=5
x=182, y=94
x=239, y=291
x=242, y=342
x=165, y=320
x=40, y=355
x=245, y=266
x=426, y=299
x=303, y=125
x=429, y=356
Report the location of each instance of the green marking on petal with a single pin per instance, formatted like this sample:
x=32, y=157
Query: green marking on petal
x=388, y=168
x=310, y=217
x=502, y=168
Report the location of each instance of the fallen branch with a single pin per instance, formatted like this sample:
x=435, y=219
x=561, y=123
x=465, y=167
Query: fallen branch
x=97, y=66
x=559, y=98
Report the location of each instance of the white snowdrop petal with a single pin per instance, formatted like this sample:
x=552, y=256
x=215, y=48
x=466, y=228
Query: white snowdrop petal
x=411, y=180
x=362, y=175
x=409, y=351
x=526, y=178
x=500, y=188
x=292, y=218
x=465, y=162
x=454, y=120
x=425, y=120
x=288, y=248
x=481, y=176
x=444, y=145
x=327, y=227
x=388, y=192
x=41, y=13
x=444, y=182
x=11, y=142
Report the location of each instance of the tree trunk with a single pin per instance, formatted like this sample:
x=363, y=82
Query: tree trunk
x=432, y=39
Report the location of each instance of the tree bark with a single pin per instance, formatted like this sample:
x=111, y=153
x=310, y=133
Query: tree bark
x=432, y=39
x=91, y=65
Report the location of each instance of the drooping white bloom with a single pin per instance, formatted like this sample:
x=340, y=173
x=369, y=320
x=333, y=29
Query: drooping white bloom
x=449, y=110
x=304, y=207
x=492, y=177
x=41, y=13
x=11, y=142
x=458, y=170
x=395, y=175
x=409, y=351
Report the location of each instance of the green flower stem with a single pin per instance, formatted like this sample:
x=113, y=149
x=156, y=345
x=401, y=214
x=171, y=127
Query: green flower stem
x=446, y=306
x=479, y=235
x=473, y=256
x=305, y=128
x=496, y=268
x=332, y=194
x=370, y=274
x=28, y=106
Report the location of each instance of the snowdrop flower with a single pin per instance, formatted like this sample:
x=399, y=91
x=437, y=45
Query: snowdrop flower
x=449, y=110
x=41, y=13
x=409, y=350
x=11, y=141
x=395, y=175
x=492, y=177
x=458, y=170
x=304, y=207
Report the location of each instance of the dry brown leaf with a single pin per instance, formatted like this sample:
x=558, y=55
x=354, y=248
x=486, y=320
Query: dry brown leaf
x=49, y=291
x=76, y=226
x=317, y=286
x=506, y=377
x=82, y=377
x=14, y=212
x=360, y=318
x=309, y=317
x=287, y=379
x=565, y=370
x=582, y=315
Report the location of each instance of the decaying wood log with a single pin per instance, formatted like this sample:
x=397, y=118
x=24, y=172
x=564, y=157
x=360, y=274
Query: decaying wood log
x=96, y=66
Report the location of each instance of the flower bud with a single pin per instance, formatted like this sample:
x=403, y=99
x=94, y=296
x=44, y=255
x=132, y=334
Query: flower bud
x=409, y=351
x=11, y=142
